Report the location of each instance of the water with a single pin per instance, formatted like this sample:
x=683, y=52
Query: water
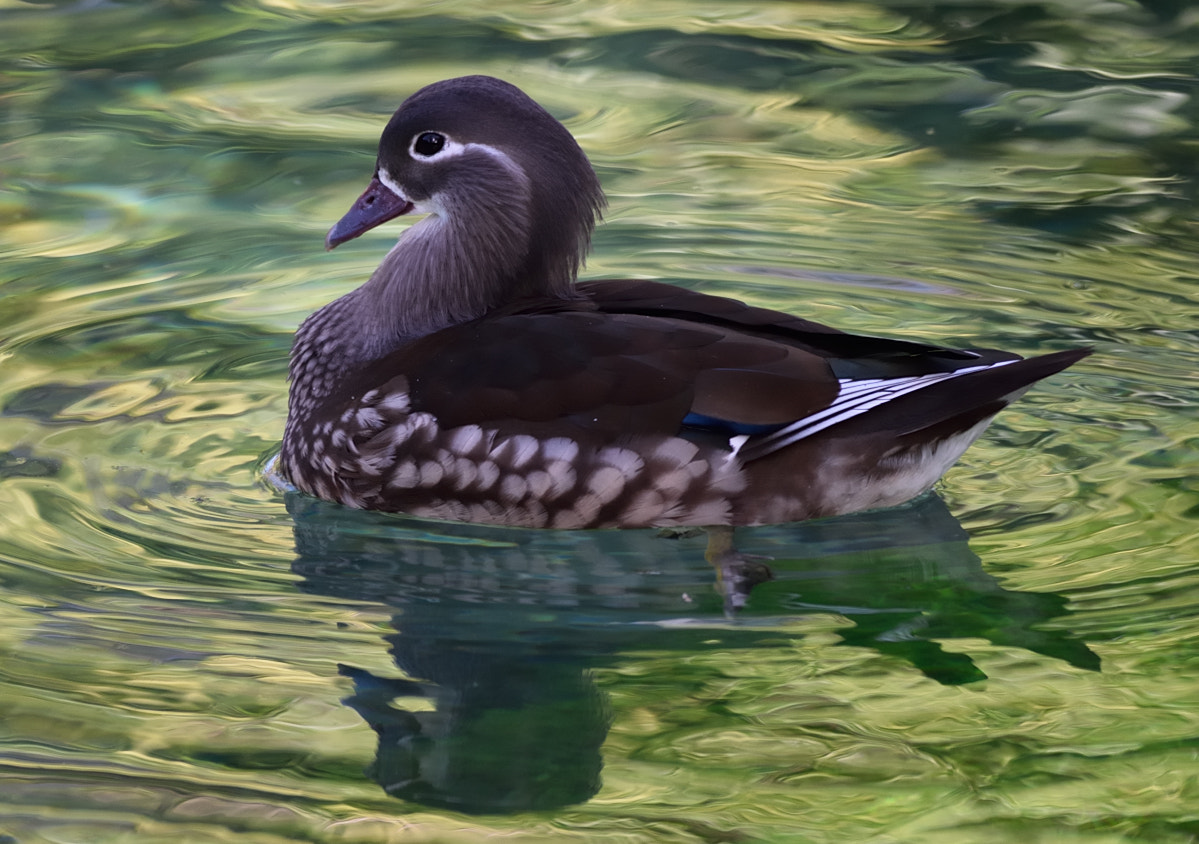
x=190, y=654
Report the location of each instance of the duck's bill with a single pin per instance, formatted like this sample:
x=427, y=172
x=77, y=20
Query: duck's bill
x=377, y=205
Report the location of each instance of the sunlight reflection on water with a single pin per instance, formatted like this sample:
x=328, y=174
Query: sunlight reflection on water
x=193, y=654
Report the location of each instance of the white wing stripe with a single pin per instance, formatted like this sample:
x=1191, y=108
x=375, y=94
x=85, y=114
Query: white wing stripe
x=857, y=397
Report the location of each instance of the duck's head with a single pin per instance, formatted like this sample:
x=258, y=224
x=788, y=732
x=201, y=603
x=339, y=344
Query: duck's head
x=497, y=173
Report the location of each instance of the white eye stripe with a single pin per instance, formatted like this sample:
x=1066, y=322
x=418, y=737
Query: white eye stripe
x=452, y=149
x=436, y=203
x=391, y=184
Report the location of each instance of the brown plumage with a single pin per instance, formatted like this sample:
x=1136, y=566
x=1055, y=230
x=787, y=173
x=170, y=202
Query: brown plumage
x=471, y=378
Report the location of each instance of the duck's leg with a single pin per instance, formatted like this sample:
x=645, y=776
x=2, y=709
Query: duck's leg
x=736, y=573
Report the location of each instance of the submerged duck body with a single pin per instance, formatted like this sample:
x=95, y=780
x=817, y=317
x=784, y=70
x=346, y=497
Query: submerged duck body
x=472, y=379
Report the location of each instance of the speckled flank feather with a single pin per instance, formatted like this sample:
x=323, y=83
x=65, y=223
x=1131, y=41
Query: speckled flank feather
x=400, y=460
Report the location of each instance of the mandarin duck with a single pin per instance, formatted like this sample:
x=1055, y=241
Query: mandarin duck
x=473, y=378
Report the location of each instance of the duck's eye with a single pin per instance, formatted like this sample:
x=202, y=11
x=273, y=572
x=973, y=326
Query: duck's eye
x=428, y=144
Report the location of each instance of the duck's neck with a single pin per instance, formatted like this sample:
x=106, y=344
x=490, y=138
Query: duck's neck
x=439, y=274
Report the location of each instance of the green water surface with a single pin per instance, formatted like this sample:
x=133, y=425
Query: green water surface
x=189, y=654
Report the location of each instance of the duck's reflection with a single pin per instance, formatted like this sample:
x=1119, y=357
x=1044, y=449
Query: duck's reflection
x=490, y=734
x=500, y=629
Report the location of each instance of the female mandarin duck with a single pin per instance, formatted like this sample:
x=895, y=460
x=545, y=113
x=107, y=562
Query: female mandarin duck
x=471, y=378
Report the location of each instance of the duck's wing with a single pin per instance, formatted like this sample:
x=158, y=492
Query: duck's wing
x=604, y=377
x=641, y=358
x=886, y=388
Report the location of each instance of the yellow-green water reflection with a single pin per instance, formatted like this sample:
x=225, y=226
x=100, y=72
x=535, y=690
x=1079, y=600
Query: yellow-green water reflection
x=185, y=658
